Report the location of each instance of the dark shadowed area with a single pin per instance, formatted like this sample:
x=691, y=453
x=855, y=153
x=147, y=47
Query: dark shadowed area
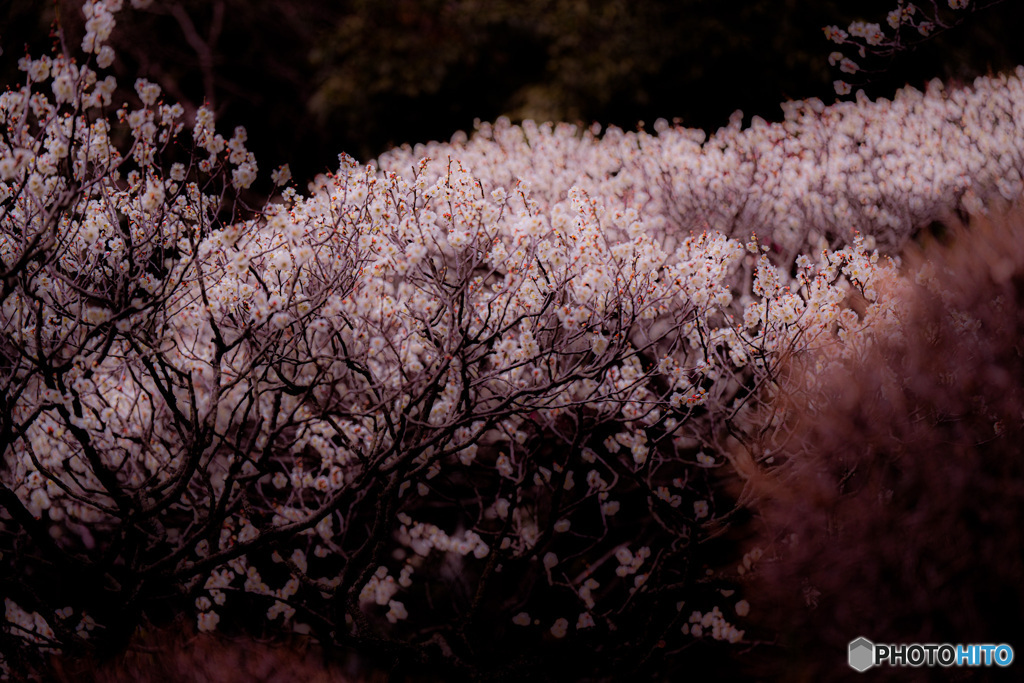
x=312, y=79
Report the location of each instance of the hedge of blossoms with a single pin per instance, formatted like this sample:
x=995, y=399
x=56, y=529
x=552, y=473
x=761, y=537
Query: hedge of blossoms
x=424, y=411
x=885, y=168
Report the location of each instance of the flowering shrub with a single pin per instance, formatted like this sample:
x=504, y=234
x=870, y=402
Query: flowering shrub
x=461, y=408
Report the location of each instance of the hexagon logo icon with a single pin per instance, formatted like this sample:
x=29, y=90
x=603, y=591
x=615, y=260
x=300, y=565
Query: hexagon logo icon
x=862, y=654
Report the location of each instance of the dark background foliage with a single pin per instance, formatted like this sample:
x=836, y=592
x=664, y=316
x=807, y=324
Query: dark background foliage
x=310, y=79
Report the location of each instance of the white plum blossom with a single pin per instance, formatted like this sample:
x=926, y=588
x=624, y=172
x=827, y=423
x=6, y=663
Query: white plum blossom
x=560, y=627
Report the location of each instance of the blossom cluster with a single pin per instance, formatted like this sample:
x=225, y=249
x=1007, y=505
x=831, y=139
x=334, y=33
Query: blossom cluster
x=906, y=25
x=490, y=377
